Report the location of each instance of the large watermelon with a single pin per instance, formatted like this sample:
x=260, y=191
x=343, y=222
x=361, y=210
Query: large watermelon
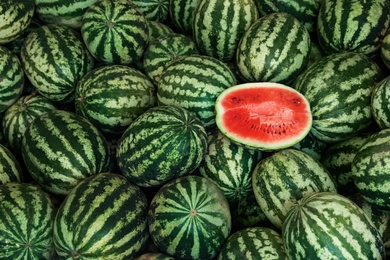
x=189, y=218
x=61, y=148
x=26, y=222
x=115, y=31
x=103, y=217
x=54, y=59
x=10, y=168
x=275, y=48
x=339, y=88
x=163, y=143
x=326, y=225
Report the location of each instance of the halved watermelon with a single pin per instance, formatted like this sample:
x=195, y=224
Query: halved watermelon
x=263, y=115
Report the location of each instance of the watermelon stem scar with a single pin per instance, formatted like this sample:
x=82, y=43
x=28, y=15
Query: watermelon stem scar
x=263, y=115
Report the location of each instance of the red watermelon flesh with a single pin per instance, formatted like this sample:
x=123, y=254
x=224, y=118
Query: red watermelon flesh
x=265, y=115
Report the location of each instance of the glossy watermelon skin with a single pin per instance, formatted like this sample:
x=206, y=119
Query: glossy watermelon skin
x=69, y=13
x=103, y=217
x=371, y=176
x=379, y=104
x=16, y=16
x=63, y=61
x=339, y=88
x=112, y=96
x=219, y=25
x=282, y=179
x=182, y=14
x=352, y=26
x=330, y=226
x=189, y=218
x=115, y=32
x=26, y=221
x=277, y=61
x=173, y=142
x=10, y=168
x=155, y=10
x=11, y=77
x=61, y=148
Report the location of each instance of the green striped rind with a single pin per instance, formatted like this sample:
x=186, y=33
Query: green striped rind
x=337, y=159
x=112, y=96
x=26, y=222
x=194, y=82
x=61, y=148
x=10, y=169
x=352, y=26
x=157, y=29
x=385, y=50
x=229, y=165
x=164, y=50
x=380, y=218
x=339, y=88
x=115, y=32
x=103, y=217
x=306, y=11
x=312, y=146
x=19, y=115
x=329, y=226
x=54, y=59
x=69, y=13
x=371, y=167
x=219, y=25
x=285, y=49
x=163, y=143
x=189, y=218
x=15, y=16
x=154, y=10
x=253, y=243
x=182, y=14
x=380, y=107
x=280, y=180
x=11, y=78
x=154, y=256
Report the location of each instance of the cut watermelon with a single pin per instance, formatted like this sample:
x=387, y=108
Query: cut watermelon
x=263, y=115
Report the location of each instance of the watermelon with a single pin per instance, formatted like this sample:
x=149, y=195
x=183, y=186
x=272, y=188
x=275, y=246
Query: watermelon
x=194, y=83
x=164, y=50
x=326, y=225
x=115, y=31
x=339, y=88
x=312, y=146
x=103, y=217
x=10, y=168
x=263, y=115
x=337, y=159
x=352, y=26
x=380, y=106
x=163, y=143
x=253, y=243
x=182, y=12
x=385, y=50
x=370, y=169
x=11, y=78
x=157, y=29
x=26, y=222
x=189, y=218
x=54, y=59
x=219, y=25
x=15, y=17
x=69, y=13
x=280, y=180
x=275, y=48
x=153, y=10
x=61, y=148
x=306, y=11
x=229, y=165
x=19, y=115
x=112, y=96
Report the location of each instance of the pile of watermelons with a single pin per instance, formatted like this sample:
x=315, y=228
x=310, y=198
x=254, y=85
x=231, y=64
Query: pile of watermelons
x=194, y=129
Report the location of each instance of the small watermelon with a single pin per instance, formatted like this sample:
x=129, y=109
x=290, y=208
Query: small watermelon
x=263, y=115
